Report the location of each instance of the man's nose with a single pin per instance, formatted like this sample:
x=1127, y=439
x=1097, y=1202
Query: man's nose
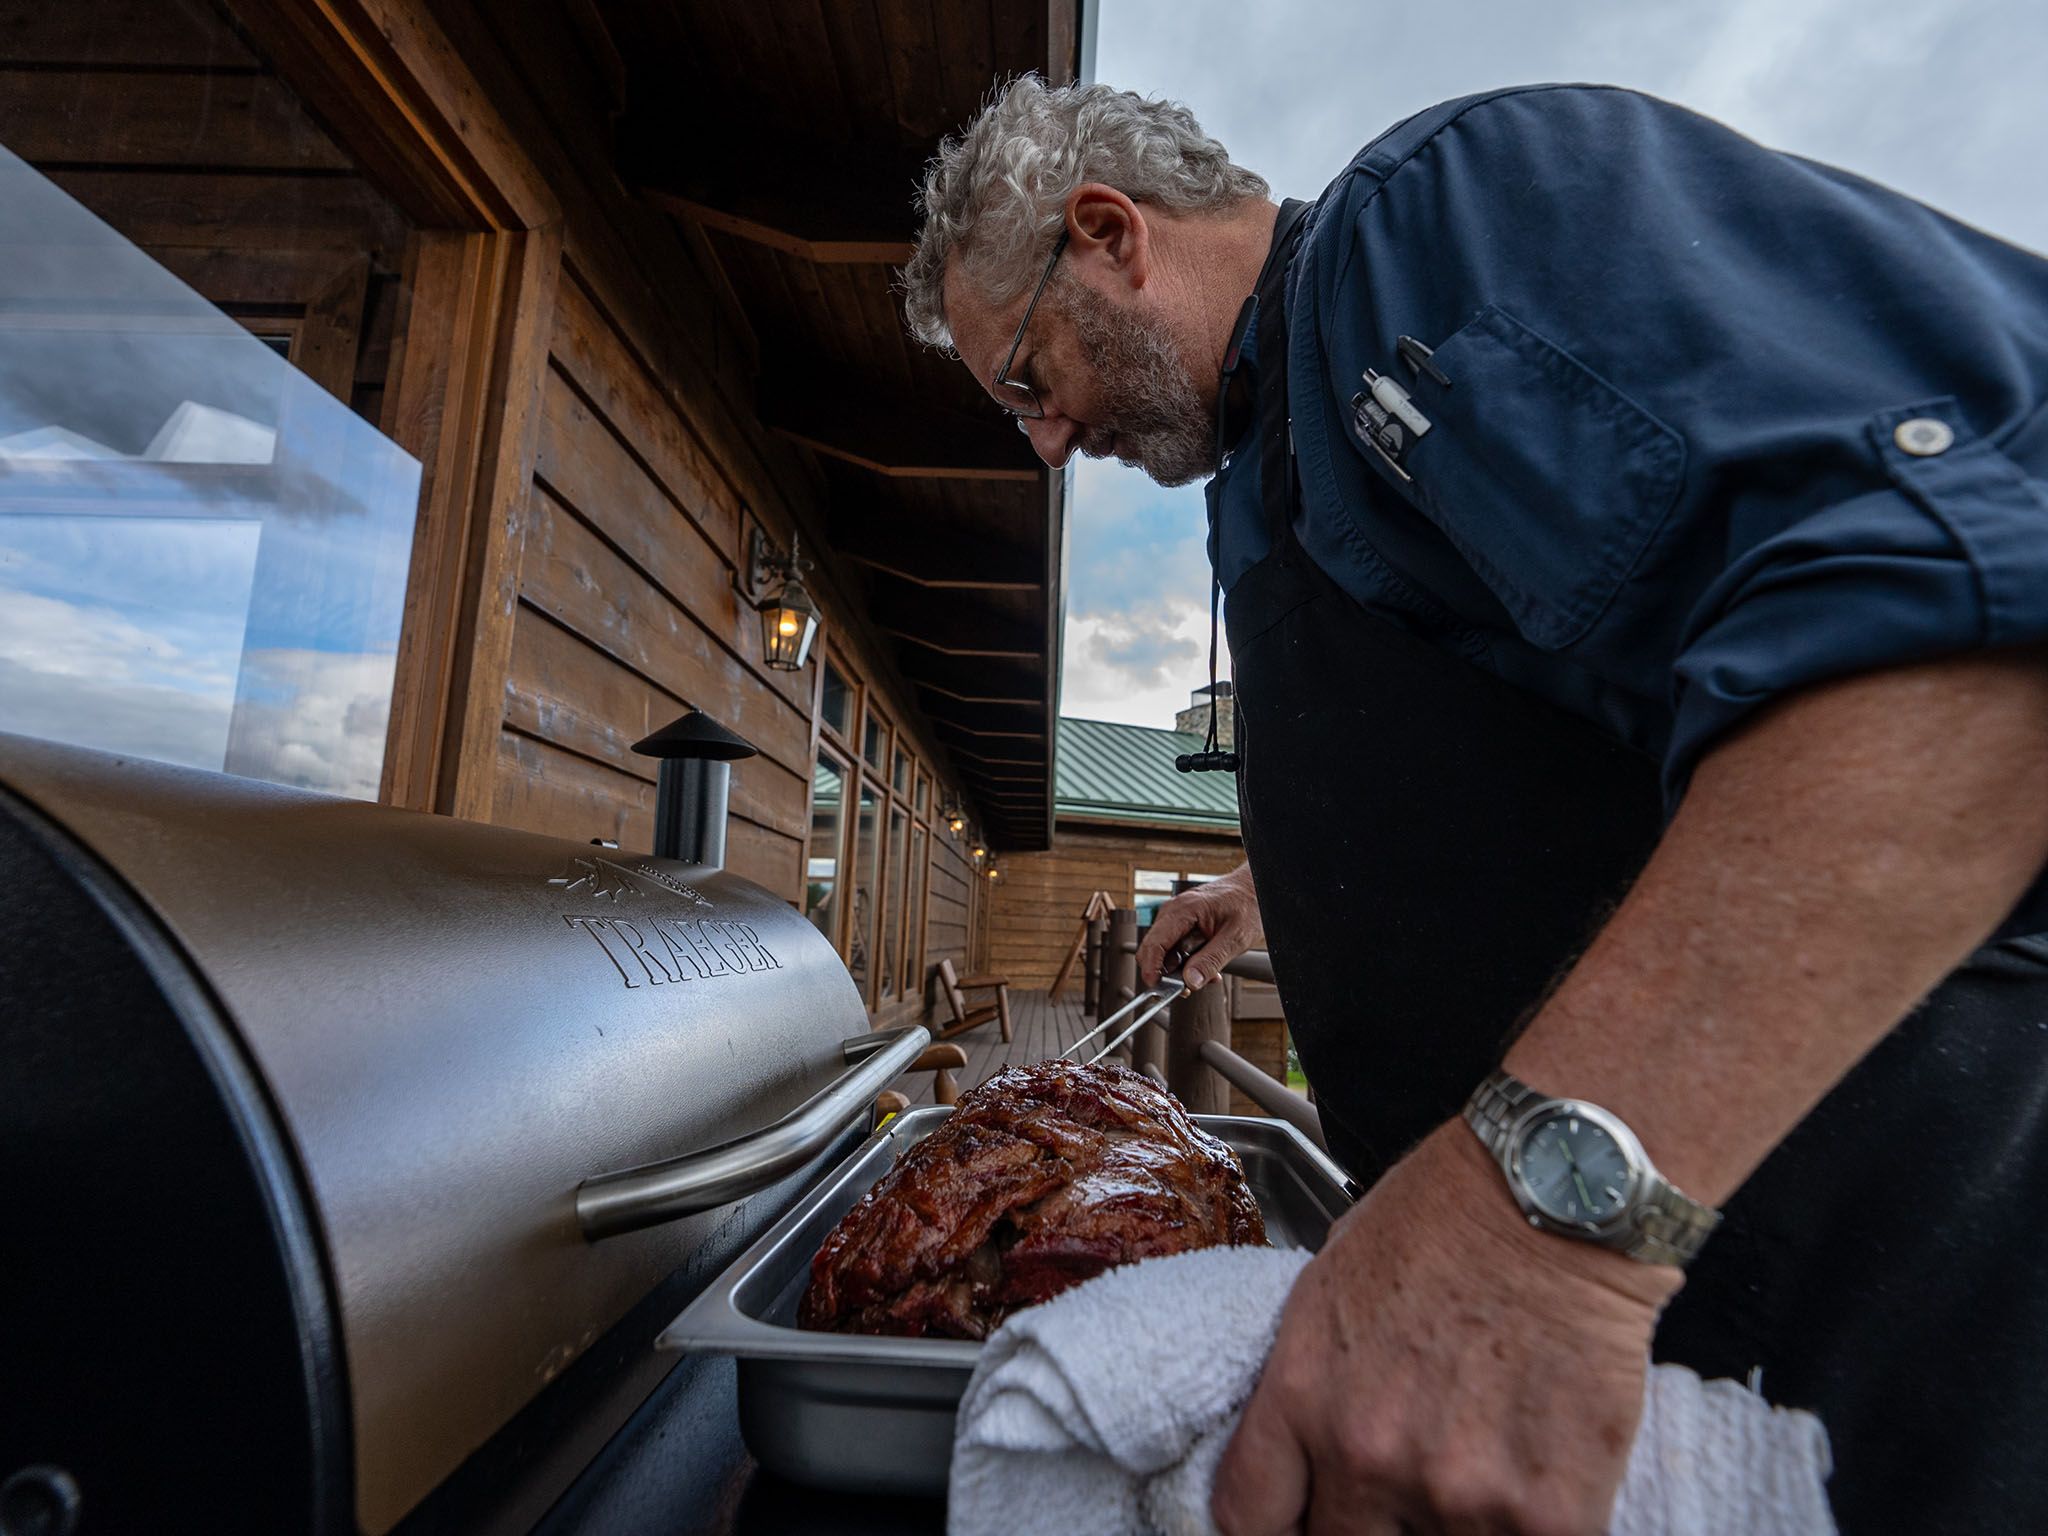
x=1052, y=437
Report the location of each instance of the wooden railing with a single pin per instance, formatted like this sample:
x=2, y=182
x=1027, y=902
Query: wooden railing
x=1192, y=1054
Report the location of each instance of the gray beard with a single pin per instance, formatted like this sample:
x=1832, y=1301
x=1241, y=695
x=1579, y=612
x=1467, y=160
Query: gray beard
x=1159, y=425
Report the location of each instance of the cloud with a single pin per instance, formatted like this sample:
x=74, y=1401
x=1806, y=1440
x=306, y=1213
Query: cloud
x=1134, y=541
x=1137, y=665
x=162, y=685
x=315, y=719
x=170, y=725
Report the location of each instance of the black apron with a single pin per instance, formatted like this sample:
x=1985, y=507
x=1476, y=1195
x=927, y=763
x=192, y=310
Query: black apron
x=1433, y=847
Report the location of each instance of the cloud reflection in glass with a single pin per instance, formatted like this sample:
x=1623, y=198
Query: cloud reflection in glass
x=203, y=554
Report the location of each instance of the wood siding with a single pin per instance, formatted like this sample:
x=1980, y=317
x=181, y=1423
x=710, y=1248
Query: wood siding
x=1037, y=903
x=650, y=473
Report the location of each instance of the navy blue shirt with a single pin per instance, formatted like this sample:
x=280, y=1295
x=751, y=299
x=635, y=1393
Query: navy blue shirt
x=1670, y=475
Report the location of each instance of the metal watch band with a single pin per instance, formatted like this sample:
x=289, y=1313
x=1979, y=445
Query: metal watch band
x=1492, y=1108
x=1666, y=1226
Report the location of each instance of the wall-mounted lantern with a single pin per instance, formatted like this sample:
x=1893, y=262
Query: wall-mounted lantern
x=955, y=819
x=993, y=872
x=977, y=853
x=775, y=588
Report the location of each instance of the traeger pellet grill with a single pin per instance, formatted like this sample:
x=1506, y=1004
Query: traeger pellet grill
x=352, y=1158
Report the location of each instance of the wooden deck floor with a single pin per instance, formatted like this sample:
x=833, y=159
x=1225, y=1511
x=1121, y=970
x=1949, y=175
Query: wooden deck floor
x=1041, y=1028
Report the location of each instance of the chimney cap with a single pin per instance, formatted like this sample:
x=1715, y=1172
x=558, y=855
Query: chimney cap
x=695, y=734
x=1222, y=690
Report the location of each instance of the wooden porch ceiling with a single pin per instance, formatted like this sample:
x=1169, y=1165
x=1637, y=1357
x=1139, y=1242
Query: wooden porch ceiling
x=793, y=135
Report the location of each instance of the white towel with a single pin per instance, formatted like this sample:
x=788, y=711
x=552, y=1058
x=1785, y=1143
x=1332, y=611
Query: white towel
x=1107, y=1409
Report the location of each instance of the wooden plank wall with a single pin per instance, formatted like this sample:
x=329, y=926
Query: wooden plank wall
x=628, y=616
x=650, y=472
x=156, y=116
x=1037, y=904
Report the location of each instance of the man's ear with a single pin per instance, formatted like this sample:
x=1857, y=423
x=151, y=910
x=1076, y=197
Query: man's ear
x=1107, y=233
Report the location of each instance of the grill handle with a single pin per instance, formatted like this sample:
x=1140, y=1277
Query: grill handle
x=646, y=1196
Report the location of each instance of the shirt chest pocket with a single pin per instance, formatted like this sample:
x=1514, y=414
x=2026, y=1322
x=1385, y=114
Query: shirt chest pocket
x=1549, y=481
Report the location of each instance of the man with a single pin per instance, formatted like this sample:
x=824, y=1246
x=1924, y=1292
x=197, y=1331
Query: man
x=1636, y=549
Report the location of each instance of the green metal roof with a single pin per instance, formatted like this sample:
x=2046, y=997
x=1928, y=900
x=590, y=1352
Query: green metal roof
x=1110, y=772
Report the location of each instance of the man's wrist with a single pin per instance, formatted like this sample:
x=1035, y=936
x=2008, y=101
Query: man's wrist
x=1474, y=1186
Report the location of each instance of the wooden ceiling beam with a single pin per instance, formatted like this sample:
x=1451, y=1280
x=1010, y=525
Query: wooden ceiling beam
x=963, y=646
x=975, y=549
x=819, y=202
x=969, y=685
x=968, y=730
x=938, y=562
x=873, y=426
x=784, y=226
x=959, y=623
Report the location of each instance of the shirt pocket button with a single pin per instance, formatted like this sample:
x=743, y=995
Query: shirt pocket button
x=1923, y=436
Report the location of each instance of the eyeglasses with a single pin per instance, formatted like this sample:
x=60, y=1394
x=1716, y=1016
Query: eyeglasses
x=1021, y=400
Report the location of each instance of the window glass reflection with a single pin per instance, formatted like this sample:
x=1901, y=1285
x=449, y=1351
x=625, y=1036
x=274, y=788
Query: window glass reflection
x=867, y=858
x=892, y=907
x=913, y=945
x=203, y=553
x=821, y=886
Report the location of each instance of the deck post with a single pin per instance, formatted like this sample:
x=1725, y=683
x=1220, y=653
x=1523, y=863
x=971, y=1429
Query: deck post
x=1204, y=1015
x=1091, y=1000
x=1120, y=968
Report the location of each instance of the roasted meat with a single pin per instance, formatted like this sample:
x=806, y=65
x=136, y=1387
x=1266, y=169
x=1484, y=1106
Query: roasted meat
x=1040, y=1178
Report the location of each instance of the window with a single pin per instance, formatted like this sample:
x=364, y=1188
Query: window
x=203, y=549
x=835, y=701
x=874, y=744
x=821, y=881
x=913, y=943
x=923, y=798
x=893, y=906
x=899, y=773
x=867, y=858
x=1151, y=889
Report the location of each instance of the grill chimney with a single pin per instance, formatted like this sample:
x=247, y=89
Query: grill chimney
x=697, y=754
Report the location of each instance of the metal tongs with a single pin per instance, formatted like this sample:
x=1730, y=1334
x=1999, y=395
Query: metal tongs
x=1148, y=1005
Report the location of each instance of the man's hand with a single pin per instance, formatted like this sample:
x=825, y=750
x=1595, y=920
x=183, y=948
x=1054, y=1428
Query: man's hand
x=1443, y=1367
x=1224, y=912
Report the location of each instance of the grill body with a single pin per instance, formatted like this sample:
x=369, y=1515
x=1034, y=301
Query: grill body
x=295, y=1094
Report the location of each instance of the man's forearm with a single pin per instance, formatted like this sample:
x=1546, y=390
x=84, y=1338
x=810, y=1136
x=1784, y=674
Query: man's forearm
x=1828, y=867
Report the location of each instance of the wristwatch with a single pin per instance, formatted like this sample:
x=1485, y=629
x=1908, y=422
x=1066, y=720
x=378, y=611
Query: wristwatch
x=1576, y=1170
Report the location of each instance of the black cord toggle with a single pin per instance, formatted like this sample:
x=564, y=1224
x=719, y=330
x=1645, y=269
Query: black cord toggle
x=1206, y=762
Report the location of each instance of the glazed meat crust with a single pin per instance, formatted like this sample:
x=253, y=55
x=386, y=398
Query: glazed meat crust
x=1040, y=1178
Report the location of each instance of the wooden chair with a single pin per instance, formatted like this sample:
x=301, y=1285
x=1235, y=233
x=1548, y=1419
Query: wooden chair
x=955, y=989
x=942, y=1061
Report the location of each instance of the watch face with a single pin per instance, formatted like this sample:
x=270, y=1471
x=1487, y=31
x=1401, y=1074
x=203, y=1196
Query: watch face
x=1575, y=1171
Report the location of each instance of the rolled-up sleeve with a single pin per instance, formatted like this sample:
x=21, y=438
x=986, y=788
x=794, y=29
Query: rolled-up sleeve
x=1953, y=557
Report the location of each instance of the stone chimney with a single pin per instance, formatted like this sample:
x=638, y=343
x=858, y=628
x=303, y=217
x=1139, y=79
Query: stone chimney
x=1195, y=718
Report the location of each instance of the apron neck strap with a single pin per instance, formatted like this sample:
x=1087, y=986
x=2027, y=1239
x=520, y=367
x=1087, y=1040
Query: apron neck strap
x=1276, y=449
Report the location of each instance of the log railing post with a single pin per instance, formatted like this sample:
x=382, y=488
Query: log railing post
x=1148, y=1045
x=1193, y=1019
x=1091, y=1001
x=1120, y=968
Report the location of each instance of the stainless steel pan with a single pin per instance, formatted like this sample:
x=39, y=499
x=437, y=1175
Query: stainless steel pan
x=875, y=1415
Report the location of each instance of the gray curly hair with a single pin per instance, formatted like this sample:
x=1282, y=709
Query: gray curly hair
x=997, y=194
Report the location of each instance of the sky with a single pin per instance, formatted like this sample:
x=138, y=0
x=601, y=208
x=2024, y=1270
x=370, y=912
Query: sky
x=1941, y=100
